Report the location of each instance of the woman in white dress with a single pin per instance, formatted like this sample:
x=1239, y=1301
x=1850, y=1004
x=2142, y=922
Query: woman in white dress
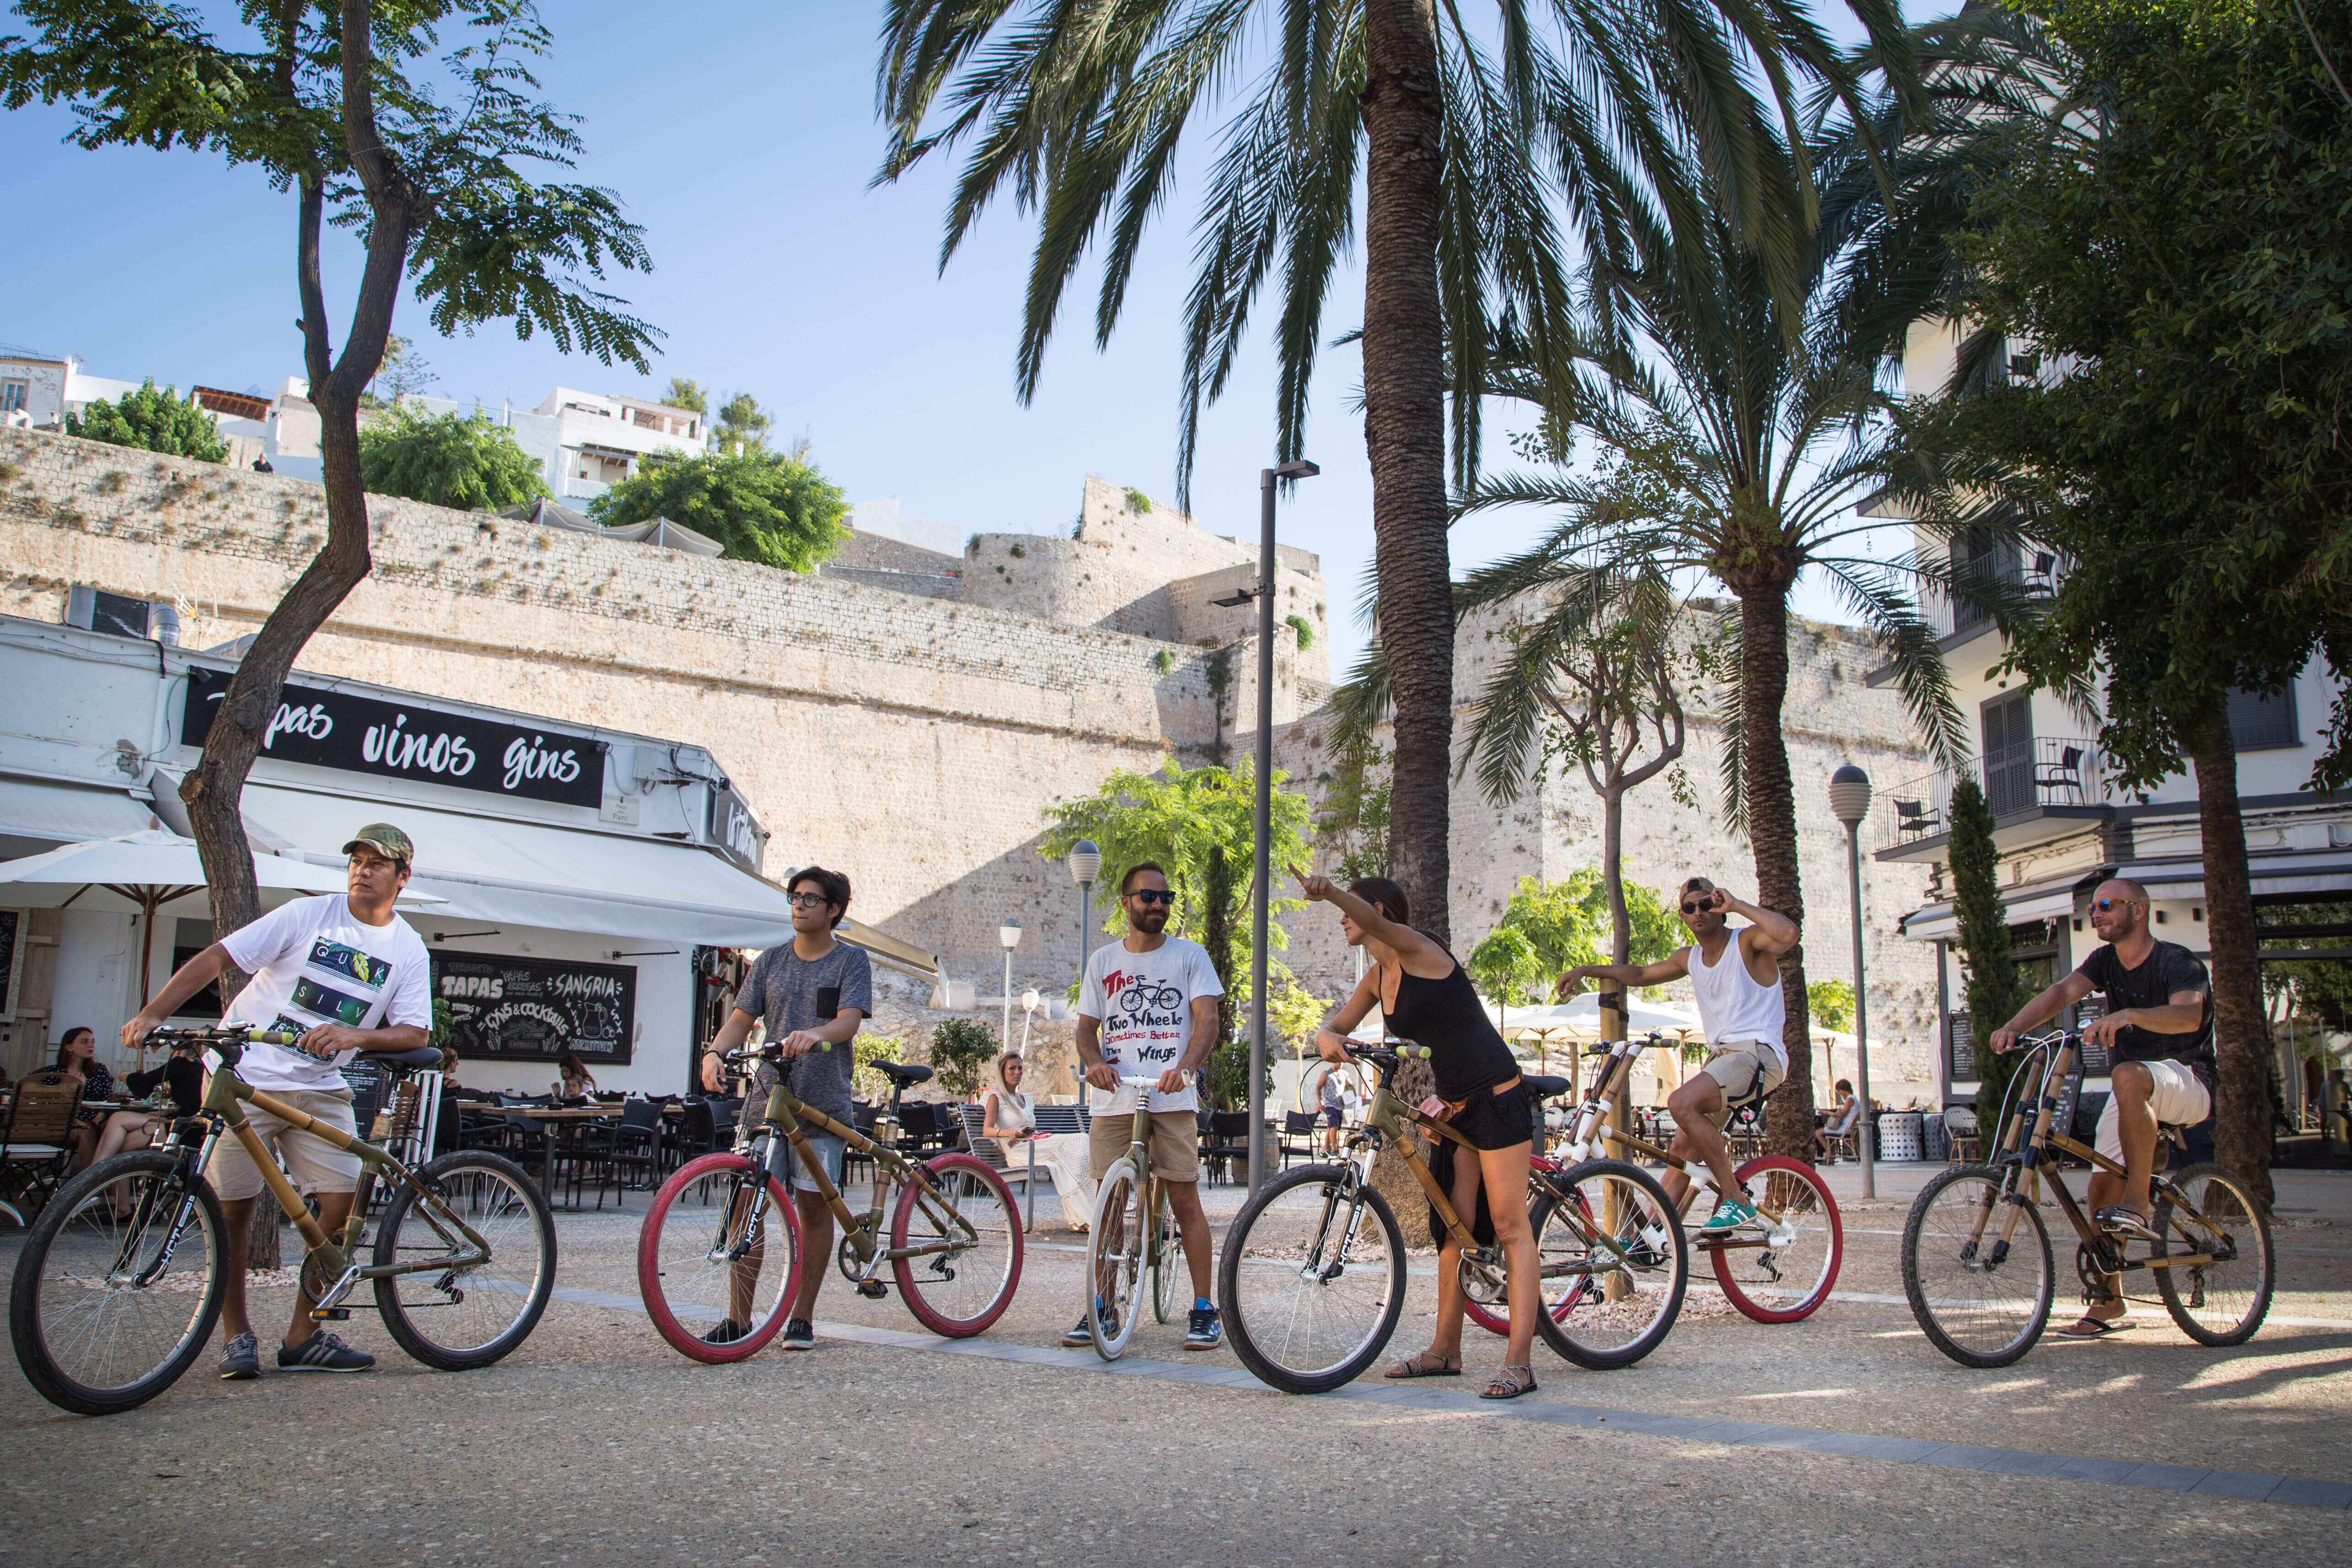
x=1006, y=1117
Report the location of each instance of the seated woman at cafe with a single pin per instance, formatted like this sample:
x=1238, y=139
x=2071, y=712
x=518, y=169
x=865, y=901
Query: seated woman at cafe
x=78, y=1054
x=574, y=1082
x=1838, y=1122
x=1008, y=1116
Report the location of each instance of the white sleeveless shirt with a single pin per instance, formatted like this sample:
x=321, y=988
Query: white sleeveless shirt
x=1731, y=1004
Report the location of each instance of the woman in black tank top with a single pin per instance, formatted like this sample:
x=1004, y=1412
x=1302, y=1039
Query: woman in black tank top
x=1424, y=996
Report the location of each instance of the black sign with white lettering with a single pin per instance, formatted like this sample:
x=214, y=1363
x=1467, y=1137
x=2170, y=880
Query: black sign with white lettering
x=733, y=830
x=410, y=741
x=535, y=1009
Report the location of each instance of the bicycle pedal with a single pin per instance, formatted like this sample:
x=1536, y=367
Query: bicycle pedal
x=331, y=1314
x=872, y=1290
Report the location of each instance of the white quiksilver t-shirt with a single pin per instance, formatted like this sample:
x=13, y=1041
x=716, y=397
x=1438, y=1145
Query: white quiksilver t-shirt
x=1144, y=1003
x=313, y=962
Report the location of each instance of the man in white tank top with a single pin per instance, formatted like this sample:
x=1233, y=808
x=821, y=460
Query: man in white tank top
x=1735, y=974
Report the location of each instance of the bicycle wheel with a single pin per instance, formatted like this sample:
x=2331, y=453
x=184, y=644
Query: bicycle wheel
x=1980, y=1300
x=1614, y=1264
x=2224, y=1302
x=1167, y=1267
x=958, y=1293
x=1115, y=1258
x=705, y=1267
x=106, y=1313
x=1311, y=1279
x=1793, y=1273
x=467, y=1315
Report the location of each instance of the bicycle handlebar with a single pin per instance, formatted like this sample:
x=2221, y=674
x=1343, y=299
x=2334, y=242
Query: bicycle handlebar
x=774, y=1051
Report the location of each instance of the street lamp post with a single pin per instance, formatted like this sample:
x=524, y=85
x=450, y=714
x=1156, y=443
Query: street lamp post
x=1262, y=818
x=1008, y=937
x=1849, y=800
x=1085, y=861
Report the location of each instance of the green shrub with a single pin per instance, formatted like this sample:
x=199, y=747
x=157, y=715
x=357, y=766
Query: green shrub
x=1138, y=502
x=153, y=421
x=1306, y=633
x=962, y=1050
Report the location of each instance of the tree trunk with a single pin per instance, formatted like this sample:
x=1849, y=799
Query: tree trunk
x=1613, y=872
x=2242, y=1110
x=1404, y=434
x=1772, y=836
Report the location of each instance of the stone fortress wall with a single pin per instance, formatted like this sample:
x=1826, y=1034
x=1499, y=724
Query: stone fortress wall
x=888, y=719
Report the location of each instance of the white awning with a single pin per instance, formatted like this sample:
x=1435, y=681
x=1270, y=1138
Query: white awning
x=565, y=879
x=2280, y=876
x=62, y=812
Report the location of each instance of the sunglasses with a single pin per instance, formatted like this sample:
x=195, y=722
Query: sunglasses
x=2104, y=905
x=809, y=900
x=1148, y=896
x=1692, y=909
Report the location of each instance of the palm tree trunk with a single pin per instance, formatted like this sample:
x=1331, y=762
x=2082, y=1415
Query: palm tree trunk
x=1772, y=836
x=2242, y=1124
x=1404, y=434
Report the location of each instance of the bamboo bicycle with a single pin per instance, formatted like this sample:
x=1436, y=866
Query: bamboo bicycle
x=703, y=1261
x=1777, y=1269
x=118, y=1287
x=1312, y=1279
x=1980, y=1287
x=1133, y=1235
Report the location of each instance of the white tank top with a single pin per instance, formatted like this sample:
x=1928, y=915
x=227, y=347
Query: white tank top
x=1731, y=1004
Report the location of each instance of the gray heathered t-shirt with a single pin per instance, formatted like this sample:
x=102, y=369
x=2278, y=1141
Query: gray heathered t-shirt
x=787, y=992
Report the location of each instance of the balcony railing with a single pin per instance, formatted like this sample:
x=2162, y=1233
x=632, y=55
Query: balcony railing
x=2049, y=771
x=1950, y=614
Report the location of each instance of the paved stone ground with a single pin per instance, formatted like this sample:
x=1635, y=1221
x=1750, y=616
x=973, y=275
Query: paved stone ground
x=596, y=1443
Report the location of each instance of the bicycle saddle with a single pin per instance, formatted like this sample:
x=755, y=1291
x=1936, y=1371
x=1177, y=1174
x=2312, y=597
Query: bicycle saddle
x=422, y=1057
x=1546, y=1088
x=906, y=1075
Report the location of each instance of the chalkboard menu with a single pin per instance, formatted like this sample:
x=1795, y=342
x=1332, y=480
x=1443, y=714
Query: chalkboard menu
x=513, y=1009
x=11, y=946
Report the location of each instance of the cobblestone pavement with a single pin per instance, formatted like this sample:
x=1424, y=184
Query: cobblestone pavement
x=596, y=1443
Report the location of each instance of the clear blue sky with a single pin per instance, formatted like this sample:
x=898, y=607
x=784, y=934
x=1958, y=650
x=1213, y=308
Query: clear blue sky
x=741, y=137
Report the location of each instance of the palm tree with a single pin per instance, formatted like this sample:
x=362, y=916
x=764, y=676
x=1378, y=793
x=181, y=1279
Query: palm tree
x=1470, y=146
x=1737, y=431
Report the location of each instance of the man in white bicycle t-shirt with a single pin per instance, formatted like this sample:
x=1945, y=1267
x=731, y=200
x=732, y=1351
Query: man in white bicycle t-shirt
x=1148, y=1005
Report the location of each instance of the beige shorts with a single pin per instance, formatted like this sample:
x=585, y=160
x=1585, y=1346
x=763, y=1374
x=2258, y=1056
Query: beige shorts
x=1175, y=1152
x=1748, y=1072
x=315, y=1165
x=2177, y=1094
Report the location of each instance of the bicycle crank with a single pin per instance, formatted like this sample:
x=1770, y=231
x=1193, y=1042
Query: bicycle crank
x=859, y=1272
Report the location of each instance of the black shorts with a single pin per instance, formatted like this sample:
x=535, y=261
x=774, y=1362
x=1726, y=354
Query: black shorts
x=1489, y=1121
x=1333, y=1115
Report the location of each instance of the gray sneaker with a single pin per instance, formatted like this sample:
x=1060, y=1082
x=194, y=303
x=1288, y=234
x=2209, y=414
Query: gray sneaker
x=323, y=1352
x=240, y=1358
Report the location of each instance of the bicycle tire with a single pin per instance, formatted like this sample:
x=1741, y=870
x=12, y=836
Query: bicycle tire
x=1119, y=1197
x=1274, y=1348
x=1750, y=1294
x=1573, y=1324
x=49, y=1250
x=677, y=1310
x=520, y=1214
x=964, y=1180
x=1941, y=1316
x=2242, y=1218
x=1166, y=1260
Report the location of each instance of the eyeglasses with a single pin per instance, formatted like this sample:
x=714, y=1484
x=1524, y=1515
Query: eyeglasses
x=809, y=900
x=1691, y=909
x=1148, y=896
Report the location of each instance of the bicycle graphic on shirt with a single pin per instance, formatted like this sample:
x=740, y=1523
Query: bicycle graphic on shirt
x=1143, y=996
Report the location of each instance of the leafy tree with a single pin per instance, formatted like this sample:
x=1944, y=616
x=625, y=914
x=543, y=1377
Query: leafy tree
x=1506, y=969
x=1471, y=136
x=1996, y=987
x=412, y=125
x=1570, y=921
x=962, y=1050
x=760, y=506
x=684, y=394
x=866, y=1049
x=404, y=373
x=1197, y=823
x=464, y=461
x=1831, y=1002
x=743, y=426
x=153, y=421
x=2182, y=450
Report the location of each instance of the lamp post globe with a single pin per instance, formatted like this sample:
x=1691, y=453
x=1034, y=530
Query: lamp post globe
x=1850, y=802
x=1008, y=937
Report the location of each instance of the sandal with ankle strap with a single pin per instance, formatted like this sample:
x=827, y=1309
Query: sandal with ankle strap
x=1427, y=1363
x=1510, y=1382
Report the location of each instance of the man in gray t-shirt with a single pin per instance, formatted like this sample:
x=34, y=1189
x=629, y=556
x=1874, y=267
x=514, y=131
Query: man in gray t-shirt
x=812, y=993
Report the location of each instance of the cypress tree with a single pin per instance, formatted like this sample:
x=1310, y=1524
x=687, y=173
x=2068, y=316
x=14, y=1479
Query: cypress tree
x=1995, y=989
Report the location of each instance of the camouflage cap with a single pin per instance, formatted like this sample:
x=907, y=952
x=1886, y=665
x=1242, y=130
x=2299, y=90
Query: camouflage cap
x=385, y=840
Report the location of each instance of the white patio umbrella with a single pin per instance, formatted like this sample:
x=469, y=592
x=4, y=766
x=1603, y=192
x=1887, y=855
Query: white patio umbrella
x=144, y=873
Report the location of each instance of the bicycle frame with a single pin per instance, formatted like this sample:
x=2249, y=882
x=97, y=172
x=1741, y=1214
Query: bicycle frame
x=224, y=1107
x=1151, y=1192
x=2025, y=1156
x=787, y=1125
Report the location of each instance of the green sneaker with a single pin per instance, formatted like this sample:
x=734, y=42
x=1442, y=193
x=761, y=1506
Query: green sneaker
x=1729, y=1215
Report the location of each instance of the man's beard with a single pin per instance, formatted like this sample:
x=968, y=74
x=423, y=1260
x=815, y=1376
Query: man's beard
x=1151, y=923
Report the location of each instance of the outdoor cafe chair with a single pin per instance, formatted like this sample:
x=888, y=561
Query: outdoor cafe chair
x=1298, y=1130
x=35, y=1153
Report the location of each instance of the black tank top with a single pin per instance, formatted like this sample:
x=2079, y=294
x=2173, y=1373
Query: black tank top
x=1465, y=1054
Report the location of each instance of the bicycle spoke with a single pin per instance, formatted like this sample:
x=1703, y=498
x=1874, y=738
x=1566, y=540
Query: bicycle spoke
x=1313, y=1280
x=1983, y=1298
x=116, y=1303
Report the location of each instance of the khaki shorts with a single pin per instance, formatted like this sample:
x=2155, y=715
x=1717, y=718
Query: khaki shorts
x=1748, y=1072
x=2177, y=1094
x=315, y=1165
x=1175, y=1152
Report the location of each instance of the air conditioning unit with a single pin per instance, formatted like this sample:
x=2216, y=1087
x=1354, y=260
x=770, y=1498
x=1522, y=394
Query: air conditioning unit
x=121, y=615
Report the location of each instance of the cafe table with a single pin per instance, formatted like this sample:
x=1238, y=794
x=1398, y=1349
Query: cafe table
x=559, y=1118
